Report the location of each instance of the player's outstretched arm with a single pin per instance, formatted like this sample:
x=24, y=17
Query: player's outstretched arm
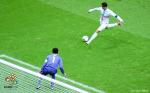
x=63, y=72
x=121, y=22
x=93, y=9
x=120, y=19
x=62, y=69
x=117, y=17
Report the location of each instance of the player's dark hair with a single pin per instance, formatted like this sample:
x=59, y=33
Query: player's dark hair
x=104, y=4
x=55, y=50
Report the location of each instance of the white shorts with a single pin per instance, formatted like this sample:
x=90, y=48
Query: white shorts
x=106, y=25
x=102, y=27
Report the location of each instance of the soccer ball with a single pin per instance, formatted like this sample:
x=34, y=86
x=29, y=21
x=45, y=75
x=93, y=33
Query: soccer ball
x=85, y=38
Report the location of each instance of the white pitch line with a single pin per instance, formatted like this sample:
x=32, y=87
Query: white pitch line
x=7, y=63
x=37, y=68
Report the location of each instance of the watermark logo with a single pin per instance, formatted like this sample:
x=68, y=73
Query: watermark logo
x=11, y=81
x=140, y=91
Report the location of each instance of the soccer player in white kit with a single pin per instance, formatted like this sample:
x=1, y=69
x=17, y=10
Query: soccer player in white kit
x=104, y=20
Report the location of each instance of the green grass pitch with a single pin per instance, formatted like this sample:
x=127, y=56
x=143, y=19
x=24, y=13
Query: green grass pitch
x=117, y=61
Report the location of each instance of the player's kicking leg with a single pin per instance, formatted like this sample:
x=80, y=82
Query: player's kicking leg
x=99, y=29
x=114, y=24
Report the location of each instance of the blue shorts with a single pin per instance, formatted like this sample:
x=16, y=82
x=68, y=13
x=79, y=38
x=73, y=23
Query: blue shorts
x=50, y=71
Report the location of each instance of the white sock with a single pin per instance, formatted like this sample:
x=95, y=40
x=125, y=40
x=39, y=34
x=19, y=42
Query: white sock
x=52, y=85
x=39, y=82
x=112, y=25
x=92, y=38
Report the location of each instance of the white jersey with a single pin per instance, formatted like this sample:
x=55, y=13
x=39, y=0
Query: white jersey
x=105, y=14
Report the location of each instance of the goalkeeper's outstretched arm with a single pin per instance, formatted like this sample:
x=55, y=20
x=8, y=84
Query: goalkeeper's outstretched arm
x=61, y=68
x=62, y=71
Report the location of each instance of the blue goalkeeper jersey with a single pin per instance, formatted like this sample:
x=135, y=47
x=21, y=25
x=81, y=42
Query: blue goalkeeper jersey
x=52, y=62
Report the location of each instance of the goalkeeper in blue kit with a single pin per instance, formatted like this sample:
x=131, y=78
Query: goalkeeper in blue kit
x=50, y=66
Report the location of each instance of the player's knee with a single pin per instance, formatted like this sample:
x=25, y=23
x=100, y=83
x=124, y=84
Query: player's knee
x=97, y=31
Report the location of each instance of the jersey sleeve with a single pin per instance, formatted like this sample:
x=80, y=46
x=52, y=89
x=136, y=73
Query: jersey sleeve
x=115, y=15
x=112, y=13
x=44, y=64
x=61, y=66
x=45, y=60
x=94, y=9
x=60, y=63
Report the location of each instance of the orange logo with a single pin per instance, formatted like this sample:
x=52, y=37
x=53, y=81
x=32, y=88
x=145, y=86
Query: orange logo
x=11, y=81
x=11, y=77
